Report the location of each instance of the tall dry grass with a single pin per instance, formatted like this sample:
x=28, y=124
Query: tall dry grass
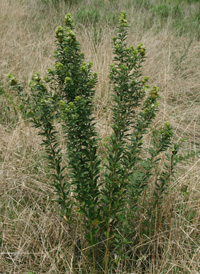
x=32, y=235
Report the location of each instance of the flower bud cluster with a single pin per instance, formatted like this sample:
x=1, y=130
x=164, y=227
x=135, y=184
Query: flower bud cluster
x=151, y=105
x=60, y=34
x=68, y=21
x=70, y=35
x=36, y=83
x=59, y=66
x=36, y=77
x=167, y=130
x=141, y=49
x=71, y=105
x=123, y=21
x=68, y=80
x=12, y=79
x=154, y=93
x=47, y=79
x=145, y=79
x=49, y=71
x=69, y=111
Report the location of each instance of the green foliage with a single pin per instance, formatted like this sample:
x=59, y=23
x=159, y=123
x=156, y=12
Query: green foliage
x=180, y=15
x=55, y=3
x=162, y=10
x=88, y=16
x=108, y=197
x=8, y=107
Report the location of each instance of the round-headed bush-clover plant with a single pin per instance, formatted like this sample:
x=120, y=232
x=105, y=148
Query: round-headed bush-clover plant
x=107, y=197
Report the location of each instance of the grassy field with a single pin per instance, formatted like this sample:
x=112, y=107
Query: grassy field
x=33, y=238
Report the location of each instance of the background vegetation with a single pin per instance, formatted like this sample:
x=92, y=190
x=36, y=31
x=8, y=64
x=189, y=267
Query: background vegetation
x=32, y=235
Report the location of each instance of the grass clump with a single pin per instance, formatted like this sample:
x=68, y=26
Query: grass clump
x=115, y=201
x=55, y=3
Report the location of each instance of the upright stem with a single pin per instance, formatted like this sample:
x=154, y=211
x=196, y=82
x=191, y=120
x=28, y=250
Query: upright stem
x=94, y=259
x=107, y=245
x=107, y=251
x=80, y=220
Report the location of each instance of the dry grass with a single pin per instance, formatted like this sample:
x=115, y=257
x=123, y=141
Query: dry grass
x=32, y=235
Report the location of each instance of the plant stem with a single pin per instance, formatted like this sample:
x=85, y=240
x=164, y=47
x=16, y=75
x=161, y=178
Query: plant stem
x=107, y=251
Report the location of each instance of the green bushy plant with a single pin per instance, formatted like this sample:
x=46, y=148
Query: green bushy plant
x=111, y=196
x=8, y=107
